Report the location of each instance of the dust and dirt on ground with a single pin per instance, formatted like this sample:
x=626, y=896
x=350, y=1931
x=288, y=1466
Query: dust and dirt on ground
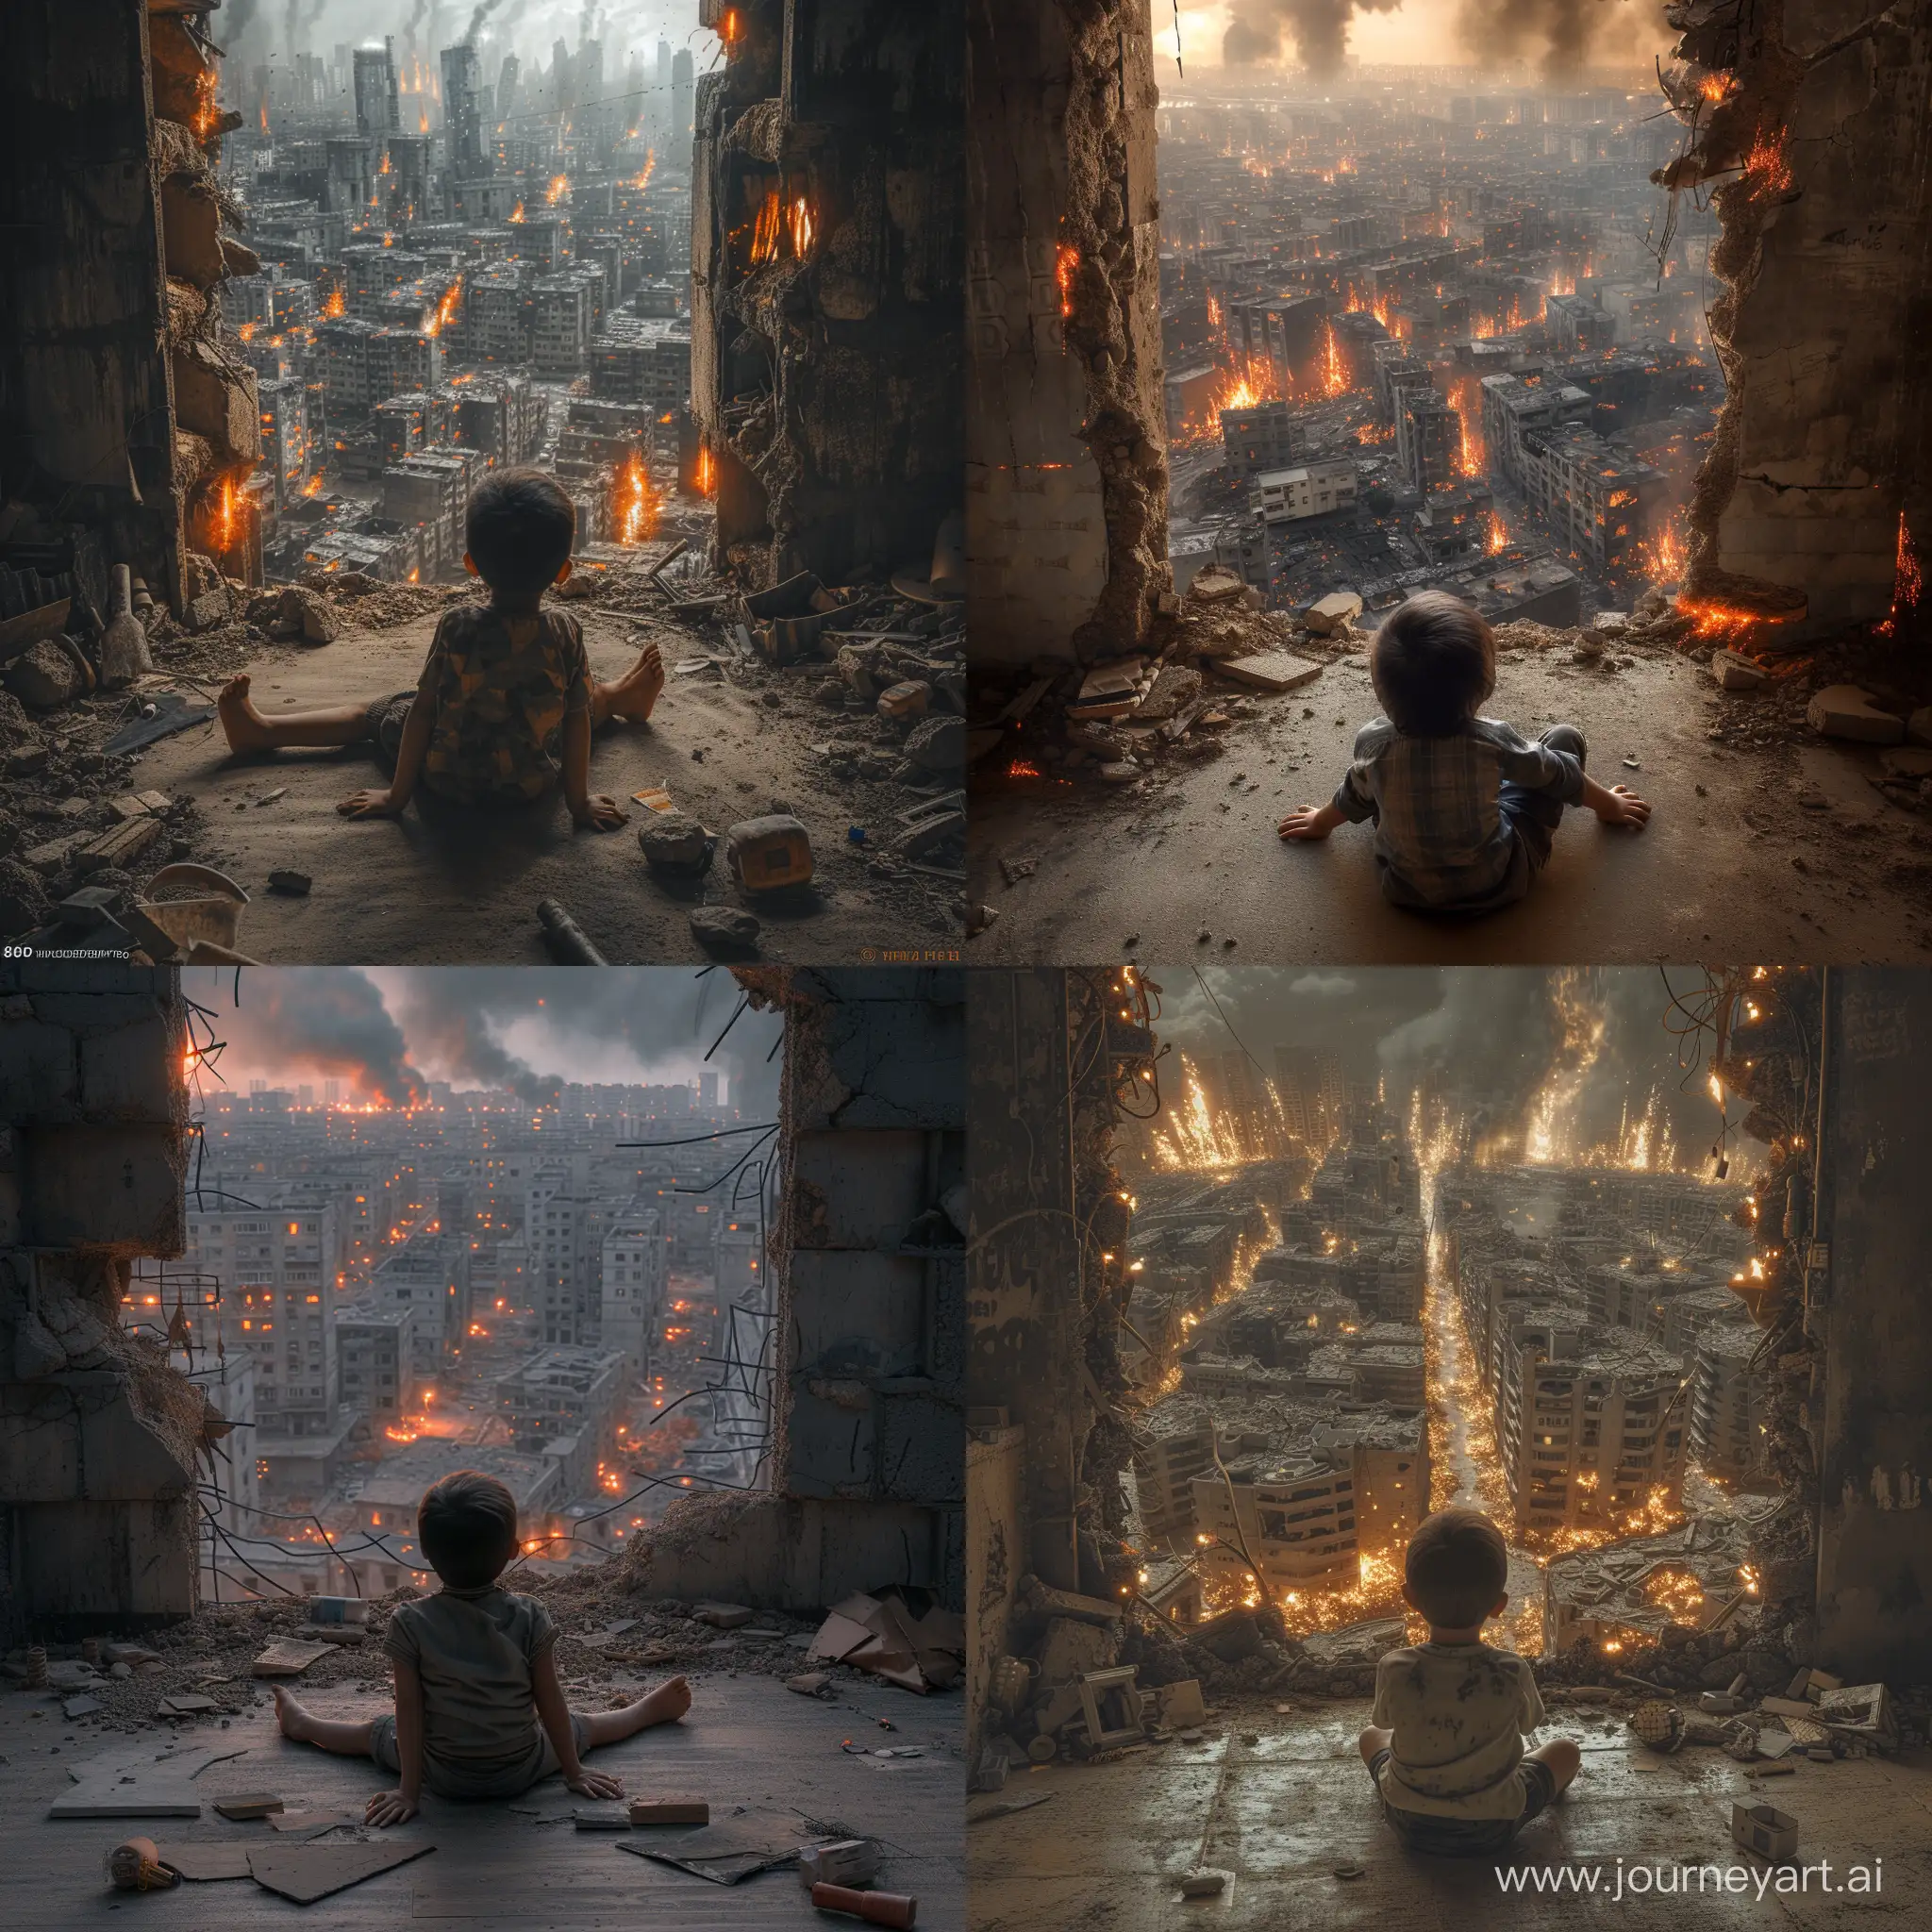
x=735, y=737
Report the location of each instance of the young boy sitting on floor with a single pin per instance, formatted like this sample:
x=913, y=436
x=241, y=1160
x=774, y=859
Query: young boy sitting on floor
x=479, y=1712
x=506, y=704
x=1465, y=808
x=1445, y=1744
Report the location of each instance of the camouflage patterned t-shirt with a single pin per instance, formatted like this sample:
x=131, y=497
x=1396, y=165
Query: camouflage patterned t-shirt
x=502, y=687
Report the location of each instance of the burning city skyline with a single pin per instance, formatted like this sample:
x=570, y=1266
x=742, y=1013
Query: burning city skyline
x=384, y=1034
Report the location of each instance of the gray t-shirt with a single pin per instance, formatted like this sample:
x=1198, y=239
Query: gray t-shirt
x=1459, y=1712
x=475, y=1651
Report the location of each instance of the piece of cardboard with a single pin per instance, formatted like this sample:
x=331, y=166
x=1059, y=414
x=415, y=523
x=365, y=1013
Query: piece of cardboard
x=285, y=1658
x=685, y=1811
x=150, y=1797
x=238, y=1804
x=307, y=1873
x=202, y=1863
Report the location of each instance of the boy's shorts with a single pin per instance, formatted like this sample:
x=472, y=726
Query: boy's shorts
x=511, y=1782
x=1465, y=1837
x=383, y=724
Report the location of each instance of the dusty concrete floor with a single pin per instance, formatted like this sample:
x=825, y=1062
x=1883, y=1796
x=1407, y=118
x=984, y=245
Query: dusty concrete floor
x=440, y=887
x=1281, y=1814
x=748, y=1741
x=1731, y=865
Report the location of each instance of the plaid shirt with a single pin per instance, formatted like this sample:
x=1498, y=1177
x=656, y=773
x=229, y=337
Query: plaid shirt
x=1441, y=837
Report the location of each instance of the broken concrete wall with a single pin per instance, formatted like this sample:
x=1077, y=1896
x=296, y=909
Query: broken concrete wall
x=827, y=244
x=1813, y=119
x=1874, y=1545
x=98, y=1434
x=86, y=406
x=1066, y=463
x=1049, y=1283
x=866, y=1464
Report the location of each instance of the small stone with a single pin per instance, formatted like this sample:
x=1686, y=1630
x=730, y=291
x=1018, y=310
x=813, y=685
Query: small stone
x=1842, y=711
x=1133, y=938
x=1119, y=772
x=1204, y=1884
x=725, y=929
x=1202, y=937
x=672, y=843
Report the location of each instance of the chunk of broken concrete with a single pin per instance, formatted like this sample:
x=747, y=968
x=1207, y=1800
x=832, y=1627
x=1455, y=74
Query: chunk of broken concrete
x=722, y=1616
x=1842, y=711
x=937, y=744
x=725, y=929
x=206, y=611
x=675, y=845
x=307, y=615
x=1204, y=1884
x=1736, y=672
x=1271, y=670
x=809, y=1683
x=1331, y=615
x=44, y=676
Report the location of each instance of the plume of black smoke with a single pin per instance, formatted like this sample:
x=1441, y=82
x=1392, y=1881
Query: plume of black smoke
x=412, y=27
x=241, y=18
x=483, y=9
x=329, y=1019
x=1318, y=29
x=1564, y=34
x=661, y=1016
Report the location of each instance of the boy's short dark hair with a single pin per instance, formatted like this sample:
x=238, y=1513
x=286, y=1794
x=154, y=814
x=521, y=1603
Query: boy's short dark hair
x=467, y=1525
x=520, y=530
x=1432, y=663
x=1456, y=1568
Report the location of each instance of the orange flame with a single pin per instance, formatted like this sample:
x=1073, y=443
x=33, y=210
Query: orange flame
x=801, y=229
x=1710, y=619
x=1066, y=260
x=560, y=187
x=516, y=214
x=634, y=507
x=1334, y=378
x=644, y=180
x=335, y=305
x=729, y=29
x=208, y=115
x=764, y=235
x=707, y=477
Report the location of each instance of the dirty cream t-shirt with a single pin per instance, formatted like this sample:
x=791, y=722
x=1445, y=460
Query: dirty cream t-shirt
x=1459, y=1712
x=474, y=1651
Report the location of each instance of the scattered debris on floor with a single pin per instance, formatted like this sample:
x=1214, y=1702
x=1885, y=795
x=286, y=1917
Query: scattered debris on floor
x=307, y=1873
x=886, y=1634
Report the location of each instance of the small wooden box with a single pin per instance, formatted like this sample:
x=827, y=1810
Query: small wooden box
x=670, y=1811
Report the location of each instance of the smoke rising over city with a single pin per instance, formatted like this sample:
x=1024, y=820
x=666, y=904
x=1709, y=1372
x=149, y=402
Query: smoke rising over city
x=386, y=1033
x=1571, y=1048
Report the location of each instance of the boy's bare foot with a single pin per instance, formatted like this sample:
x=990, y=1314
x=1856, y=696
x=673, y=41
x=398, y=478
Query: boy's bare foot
x=667, y=1703
x=635, y=693
x=294, y=1722
x=245, y=728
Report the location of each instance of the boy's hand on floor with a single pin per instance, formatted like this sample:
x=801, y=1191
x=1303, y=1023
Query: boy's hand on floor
x=1310, y=821
x=1622, y=807
x=601, y=813
x=370, y=804
x=595, y=1784
x=390, y=1807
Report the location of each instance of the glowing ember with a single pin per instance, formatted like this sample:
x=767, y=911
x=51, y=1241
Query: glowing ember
x=1768, y=166
x=706, y=475
x=516, y=214
x=644, y=180
x=1663, y=554
x=313, y=486
x=1907, y=582
x=1710, y=619
x=208, y=115
x=1718, y=87
x=447, y=309
x=1466, y=399
x=560, y=187
x=1499, y=534
x=730, y=28
x=1065, y=261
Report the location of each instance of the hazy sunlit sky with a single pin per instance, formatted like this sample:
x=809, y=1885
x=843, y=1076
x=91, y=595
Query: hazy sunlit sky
x=1423, y=32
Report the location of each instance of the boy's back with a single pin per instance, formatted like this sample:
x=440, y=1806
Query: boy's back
x=474, y=1651
x=1459, y=1712
x=503, y=683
